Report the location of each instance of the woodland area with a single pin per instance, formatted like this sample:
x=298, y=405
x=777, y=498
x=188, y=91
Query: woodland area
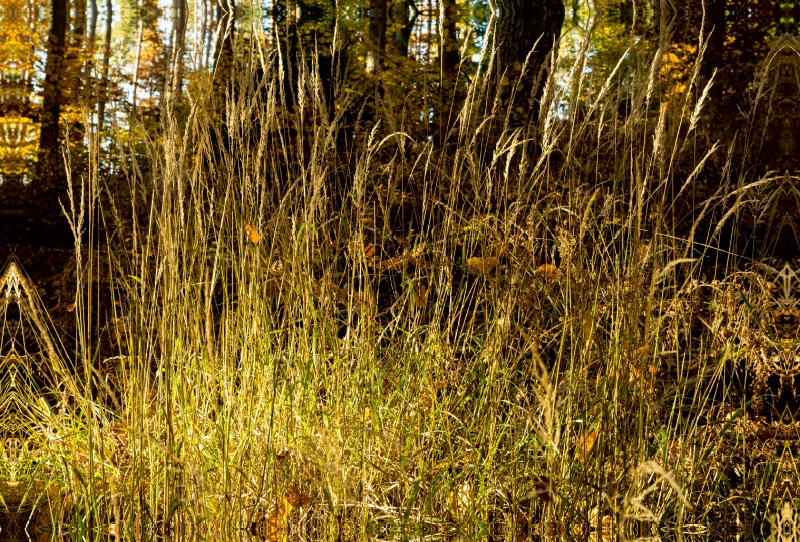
x=399, y=270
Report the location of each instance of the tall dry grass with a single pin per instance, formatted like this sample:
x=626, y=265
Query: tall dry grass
x=344, y=331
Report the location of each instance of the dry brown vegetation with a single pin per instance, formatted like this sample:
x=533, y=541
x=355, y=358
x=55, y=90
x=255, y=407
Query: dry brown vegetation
x=333, y=328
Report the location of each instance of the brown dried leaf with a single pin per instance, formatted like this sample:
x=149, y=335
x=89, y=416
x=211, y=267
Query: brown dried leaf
x=297, y=499
x=585, y=445
x=644, y=252
x=420, y=294
x=277, y=518
x=276, y=521
x=396, y=263
x=252, y=234
x=481, y=266
x=368, y=252
x=548, y=272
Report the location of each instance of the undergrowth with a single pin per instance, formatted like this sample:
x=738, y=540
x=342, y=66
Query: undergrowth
x=329, y=325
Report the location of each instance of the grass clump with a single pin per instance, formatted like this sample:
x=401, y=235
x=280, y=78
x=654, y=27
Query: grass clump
x=326, y=326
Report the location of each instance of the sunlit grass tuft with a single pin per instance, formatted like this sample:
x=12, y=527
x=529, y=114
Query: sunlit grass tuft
x=330, y=329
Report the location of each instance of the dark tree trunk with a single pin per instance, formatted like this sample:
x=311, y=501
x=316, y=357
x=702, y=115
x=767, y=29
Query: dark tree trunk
x=203, y=36
x=715, y=29
x=93, y=15
x=521, y=25
x=450, y=46
x=49, y=167
x=285, y=15
x=223, y=56
x=76, y=67
x=404, y=14
x=136, y=62
x=224, y=62
x=178, y=38
x=377, y=35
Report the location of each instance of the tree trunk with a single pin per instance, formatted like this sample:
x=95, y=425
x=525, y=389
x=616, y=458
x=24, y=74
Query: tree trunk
x=521, y=25
x=103, y=90
x=136, y=61
x=223, y=56
x=93, y=16
x=450, y=48
x=404, y=15
x=714, y=56
x=200, y=53
x=79, y=23
x=377, y=36
x=178, y=37
x=77, y=65
x=49, y=170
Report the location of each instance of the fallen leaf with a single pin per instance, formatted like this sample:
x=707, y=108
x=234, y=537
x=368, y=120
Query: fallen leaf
x=297, y=499
x=276, y=521
x=548, y=272
x=419, y=251
x=481, y=266
x=636, y=373
x=368, y=252
x=420, y=295
x=273, y=527
x=252, y=234
x=71, y=307
x=585, y=445
x=607, y=528
x=396, y=263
